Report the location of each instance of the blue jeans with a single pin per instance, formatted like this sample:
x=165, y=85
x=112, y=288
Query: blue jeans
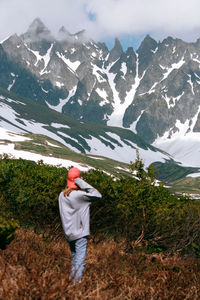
x=79, y=250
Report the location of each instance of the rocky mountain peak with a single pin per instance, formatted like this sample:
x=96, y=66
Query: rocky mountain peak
x=77, y=37
x=37, y=27
x=115, y=52
x=148, y=44
x=14, y=40
x=130, y=52
x=197, y=43
x=37, y=31
x=63, y=30
x=169, y=39
x=118, y=46
x=80, y=36
x=159, y=85
x=145, y=52
x=64, y=34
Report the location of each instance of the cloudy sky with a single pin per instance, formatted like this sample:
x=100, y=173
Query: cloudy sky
x=130, y=20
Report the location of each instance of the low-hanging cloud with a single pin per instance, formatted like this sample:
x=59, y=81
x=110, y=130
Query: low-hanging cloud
x=105, y=18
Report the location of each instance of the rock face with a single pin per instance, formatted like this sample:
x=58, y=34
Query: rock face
x=151, y=91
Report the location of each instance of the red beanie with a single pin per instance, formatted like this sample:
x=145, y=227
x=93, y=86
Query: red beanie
x=73, y=173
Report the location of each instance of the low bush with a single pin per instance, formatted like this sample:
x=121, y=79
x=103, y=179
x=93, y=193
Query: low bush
x=132, y=208
x=29, y=190
x=7, y=229
x=140, y=211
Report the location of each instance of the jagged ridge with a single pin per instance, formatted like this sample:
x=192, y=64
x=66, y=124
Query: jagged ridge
x=153, y=91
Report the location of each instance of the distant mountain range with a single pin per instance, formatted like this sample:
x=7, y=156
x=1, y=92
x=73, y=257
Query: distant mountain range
x=33, y=131
x=154, y=92
x=22, y=115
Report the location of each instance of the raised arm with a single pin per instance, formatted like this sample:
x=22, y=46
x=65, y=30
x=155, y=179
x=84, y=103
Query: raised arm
x=91, y=194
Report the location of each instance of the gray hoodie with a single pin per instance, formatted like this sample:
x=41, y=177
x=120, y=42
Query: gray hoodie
x=75, y=210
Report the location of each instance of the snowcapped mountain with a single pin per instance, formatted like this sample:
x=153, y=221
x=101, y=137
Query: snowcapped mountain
x=154, y=91
x=21, y=115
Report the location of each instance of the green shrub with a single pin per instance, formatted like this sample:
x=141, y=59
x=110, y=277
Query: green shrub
x=138, y=210
x=132, y=208
x=30, y=190
x=7, y=229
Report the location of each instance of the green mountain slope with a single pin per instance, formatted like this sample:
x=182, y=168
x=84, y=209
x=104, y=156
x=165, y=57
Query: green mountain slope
x=33, y=117
x=56, y=135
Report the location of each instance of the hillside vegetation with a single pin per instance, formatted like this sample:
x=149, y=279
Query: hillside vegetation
x=135, y=227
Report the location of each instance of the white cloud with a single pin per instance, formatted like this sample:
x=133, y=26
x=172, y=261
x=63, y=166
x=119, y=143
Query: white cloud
x=17, y=15
x=142, y=16
x=110, y=18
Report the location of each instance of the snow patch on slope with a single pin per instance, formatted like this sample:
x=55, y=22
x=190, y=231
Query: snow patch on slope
x=30, y=125
x=9, y=135
x=58, y=125
x=9, y=149
x=62, y=102
x=97, y=72
x=116, y=118
x=114, y=147
x=102, y=93
x=174, y=66
x=123, y=152
x=132, y=127
x=72, y=65
x=45, y=58
x=171, y=101
x=11, y=85
x=184, y=144
x=184, y=149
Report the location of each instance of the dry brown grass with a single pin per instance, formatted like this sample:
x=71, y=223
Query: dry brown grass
x=34, y=267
